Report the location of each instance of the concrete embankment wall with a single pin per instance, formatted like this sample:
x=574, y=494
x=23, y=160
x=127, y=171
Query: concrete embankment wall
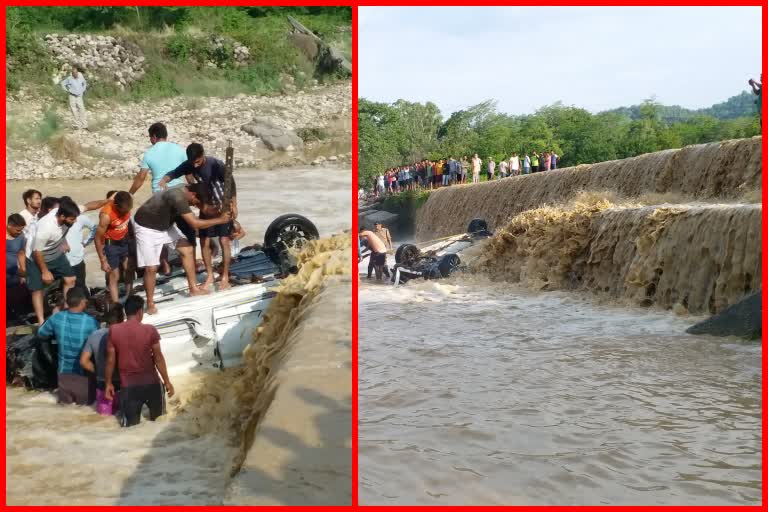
x=287, y=411
x=302, y=446
x=691, y=258
x=722, y=170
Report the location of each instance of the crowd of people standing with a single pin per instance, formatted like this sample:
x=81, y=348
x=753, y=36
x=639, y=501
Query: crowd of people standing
x=47, y=240
x=445, y=172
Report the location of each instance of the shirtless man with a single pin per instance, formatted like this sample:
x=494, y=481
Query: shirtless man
x=154, y=227
x=378, y=253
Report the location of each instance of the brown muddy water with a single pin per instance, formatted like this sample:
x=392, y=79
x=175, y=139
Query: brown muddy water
x=479, y=393
x=70, y=455
x=320, y=194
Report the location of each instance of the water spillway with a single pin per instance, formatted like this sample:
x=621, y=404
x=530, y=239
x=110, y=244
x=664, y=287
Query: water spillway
x=671, y=229
x=694, y=258
x=726, y=170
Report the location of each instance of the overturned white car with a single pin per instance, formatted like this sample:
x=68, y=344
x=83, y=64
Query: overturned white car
x=438, y=259
x=197, y=332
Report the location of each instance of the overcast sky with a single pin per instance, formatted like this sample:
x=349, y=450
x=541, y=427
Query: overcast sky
x=526, y=57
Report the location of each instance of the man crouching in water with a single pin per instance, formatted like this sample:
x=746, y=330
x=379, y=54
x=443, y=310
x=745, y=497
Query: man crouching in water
x=378, y=253
x=154, y=226
x=136, y=348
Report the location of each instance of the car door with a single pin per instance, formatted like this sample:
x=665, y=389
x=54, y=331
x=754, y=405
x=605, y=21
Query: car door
x=234, y=325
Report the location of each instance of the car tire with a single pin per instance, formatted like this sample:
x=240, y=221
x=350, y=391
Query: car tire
x=406, y=253
x=448, y=264
x=476, y=226
x=292, y=230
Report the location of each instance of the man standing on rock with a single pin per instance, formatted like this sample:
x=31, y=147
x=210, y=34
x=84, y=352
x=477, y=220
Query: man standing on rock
x=76, y=85
x=210, y=172
x=514, y=165
x=154, y=227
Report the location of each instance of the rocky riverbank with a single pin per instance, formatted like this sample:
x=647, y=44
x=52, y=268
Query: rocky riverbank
x=317, y=123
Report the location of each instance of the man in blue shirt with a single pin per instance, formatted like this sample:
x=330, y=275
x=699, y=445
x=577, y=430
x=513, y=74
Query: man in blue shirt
x=77, y=245
x=70, y=329
x=159, y=160
x=76, y=85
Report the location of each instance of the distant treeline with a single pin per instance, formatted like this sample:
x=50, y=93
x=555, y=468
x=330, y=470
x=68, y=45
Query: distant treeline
x=404, y=132
x=742, y=105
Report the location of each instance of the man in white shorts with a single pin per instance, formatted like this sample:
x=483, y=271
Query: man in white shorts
x=154, y=228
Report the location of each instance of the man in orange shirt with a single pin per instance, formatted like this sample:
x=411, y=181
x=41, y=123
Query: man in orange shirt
x=112, y=241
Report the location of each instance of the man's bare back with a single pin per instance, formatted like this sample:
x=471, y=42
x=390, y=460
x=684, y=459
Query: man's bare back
x=374, y=243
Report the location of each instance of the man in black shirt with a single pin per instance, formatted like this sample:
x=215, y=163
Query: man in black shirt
x=209, y=171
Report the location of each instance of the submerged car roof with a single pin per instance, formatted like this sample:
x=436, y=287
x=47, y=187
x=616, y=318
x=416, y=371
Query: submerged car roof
x=179, y=306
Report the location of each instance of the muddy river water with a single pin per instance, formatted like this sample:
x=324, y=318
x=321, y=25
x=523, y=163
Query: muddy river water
x=70, y=455
x=474, y=392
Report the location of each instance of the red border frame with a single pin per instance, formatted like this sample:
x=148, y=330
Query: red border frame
x=354, y=4
x=87, y=3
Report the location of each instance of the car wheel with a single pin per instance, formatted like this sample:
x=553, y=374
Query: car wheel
x=477, y=225
x=407, y=253
x=448, y=264
x=292, y=230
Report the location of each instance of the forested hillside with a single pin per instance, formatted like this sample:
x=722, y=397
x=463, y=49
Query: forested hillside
x=740, y=105
x=214, y=51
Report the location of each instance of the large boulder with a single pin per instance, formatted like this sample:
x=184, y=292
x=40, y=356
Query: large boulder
x=371, y=217
x=273, y=136
x=742, y=319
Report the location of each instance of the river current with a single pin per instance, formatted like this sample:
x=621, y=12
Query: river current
x=475, y=392
x=69, y=455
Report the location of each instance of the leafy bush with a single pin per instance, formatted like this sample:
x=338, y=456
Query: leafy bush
x=186, y=48
x=49, y=126
x=404, y=201
x=312, y=134
x=167, y=66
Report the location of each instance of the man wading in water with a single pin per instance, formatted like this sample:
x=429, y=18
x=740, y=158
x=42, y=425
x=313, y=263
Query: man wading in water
x=32, y=201
x=384, y=236
x=154, y=226
x=71, y=329
x=136, y=348
x=378, y=261
x=46, y=259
